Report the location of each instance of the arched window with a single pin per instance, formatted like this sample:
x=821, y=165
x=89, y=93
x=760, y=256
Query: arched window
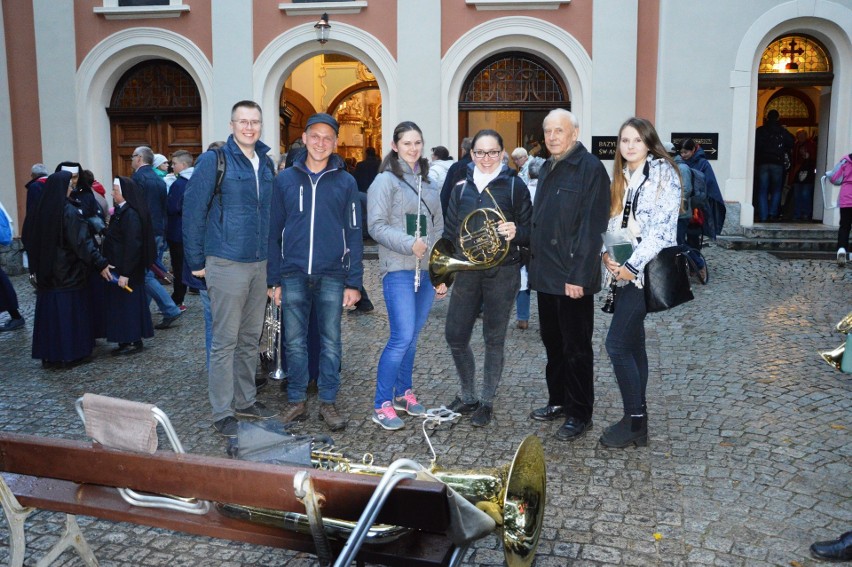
x=513, y=81
x=795, y=59
x=156, y=84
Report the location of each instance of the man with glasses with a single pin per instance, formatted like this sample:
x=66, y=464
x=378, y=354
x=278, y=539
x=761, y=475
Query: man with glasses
x=225, y=234
x=315, y=250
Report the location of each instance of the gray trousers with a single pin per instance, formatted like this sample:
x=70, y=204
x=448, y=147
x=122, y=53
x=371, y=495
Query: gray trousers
x=494, y=290
x=237, y=293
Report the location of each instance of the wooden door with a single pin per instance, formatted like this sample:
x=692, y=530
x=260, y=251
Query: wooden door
x=155, y=104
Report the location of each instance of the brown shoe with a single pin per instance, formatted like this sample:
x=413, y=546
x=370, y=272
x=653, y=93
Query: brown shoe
x=328, y=414
x=296, y=411
x=523, y=325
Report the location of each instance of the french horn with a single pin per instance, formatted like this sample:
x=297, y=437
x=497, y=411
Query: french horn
x=480, y=243
x=513, y=495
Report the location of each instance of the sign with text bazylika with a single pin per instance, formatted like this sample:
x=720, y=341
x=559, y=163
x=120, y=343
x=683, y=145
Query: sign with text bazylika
x=604, y=147
x=709, y=141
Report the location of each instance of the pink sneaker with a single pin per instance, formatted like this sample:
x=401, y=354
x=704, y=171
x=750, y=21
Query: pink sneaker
x=387, y=418
x=408, y=403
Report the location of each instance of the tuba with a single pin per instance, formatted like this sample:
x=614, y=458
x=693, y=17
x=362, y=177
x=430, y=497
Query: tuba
x=513, y=495
x=836, y=357
x=480, y=242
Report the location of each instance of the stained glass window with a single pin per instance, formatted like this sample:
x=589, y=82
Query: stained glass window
x=795, y=54
x=512, y=80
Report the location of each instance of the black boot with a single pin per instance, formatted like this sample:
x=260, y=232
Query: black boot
x=839, y=549
x=631, y=429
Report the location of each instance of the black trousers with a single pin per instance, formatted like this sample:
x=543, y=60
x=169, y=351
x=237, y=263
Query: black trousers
x=178, y=287
x=845, y=227
x=567, y=326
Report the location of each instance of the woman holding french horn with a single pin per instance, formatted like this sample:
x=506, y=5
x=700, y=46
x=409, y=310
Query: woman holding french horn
x=404, y=212
x=487, y=218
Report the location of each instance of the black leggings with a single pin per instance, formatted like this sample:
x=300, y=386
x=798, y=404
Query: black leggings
x=845, y=227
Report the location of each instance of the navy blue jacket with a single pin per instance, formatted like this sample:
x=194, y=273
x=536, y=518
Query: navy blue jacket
x=155, y=191
x=174, y=206
x=236, y=226
x=315, y=227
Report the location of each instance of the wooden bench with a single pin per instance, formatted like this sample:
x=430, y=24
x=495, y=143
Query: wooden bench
x=79, y=478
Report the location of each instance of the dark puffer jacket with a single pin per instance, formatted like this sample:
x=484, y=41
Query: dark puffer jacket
x=76, y=255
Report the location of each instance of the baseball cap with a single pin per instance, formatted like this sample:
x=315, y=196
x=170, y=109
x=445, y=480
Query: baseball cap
x=322, y=118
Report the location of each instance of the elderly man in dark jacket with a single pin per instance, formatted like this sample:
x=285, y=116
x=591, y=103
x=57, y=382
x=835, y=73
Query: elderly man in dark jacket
x=570, y=213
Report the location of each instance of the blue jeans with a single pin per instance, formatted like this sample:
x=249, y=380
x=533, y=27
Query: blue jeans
x=407, y=313
x=770, y=179
x=325, y=293
x=154, y=290
x=522, y=305
x=803, y=200
x=161, y=249
x=625, y=344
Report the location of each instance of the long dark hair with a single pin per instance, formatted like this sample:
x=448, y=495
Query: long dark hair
x=391, y=160
x=136, y=200
x=655, y=147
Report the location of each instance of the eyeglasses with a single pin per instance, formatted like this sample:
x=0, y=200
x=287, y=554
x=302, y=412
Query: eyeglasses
x=246, y=123
x=490, y=153
x=135, y=155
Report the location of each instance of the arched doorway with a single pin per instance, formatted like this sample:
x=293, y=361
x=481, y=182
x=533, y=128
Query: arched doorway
x=511, y=93
x=155, y=103
x=341, y=86
x=794, y=78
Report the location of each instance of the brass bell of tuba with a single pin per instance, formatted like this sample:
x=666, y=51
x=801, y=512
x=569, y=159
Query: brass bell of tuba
x=480, y=242
x=513, y=495
x=834, y=357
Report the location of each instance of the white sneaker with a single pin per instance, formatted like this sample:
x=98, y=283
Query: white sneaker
x=841, y=257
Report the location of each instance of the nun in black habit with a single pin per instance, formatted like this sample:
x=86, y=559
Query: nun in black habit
x=129, y=246
x=62, y=254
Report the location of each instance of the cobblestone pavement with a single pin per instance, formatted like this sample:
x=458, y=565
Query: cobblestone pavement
x=749, y=462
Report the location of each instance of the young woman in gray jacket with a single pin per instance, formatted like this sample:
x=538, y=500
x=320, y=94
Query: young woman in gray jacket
x=404, y=218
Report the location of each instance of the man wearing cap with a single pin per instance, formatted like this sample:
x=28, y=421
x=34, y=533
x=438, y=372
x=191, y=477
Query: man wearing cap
x=315, y=250
x=225, y=233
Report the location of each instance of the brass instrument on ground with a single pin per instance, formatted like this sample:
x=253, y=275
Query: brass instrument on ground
x=513, y=495
x=836, y=357
x=481, y=244
x=272, y=354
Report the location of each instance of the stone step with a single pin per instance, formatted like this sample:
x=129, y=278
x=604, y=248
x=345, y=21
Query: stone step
x=813, y=231
x=769, y=243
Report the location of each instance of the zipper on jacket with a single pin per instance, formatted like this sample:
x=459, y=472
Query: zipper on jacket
x=345, y=251
x=301, y=196
x=313, y=218
x=354, y=220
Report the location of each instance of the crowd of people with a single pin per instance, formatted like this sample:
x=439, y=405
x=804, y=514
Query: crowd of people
x=243, y=231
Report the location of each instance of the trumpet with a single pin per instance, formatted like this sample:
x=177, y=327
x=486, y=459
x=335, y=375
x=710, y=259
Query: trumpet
x=513, y=495
x=480, y=241
x=272, y=355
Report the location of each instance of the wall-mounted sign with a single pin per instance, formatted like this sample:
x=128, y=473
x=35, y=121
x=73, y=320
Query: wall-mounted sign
x=604, y=147
x=709, y=141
